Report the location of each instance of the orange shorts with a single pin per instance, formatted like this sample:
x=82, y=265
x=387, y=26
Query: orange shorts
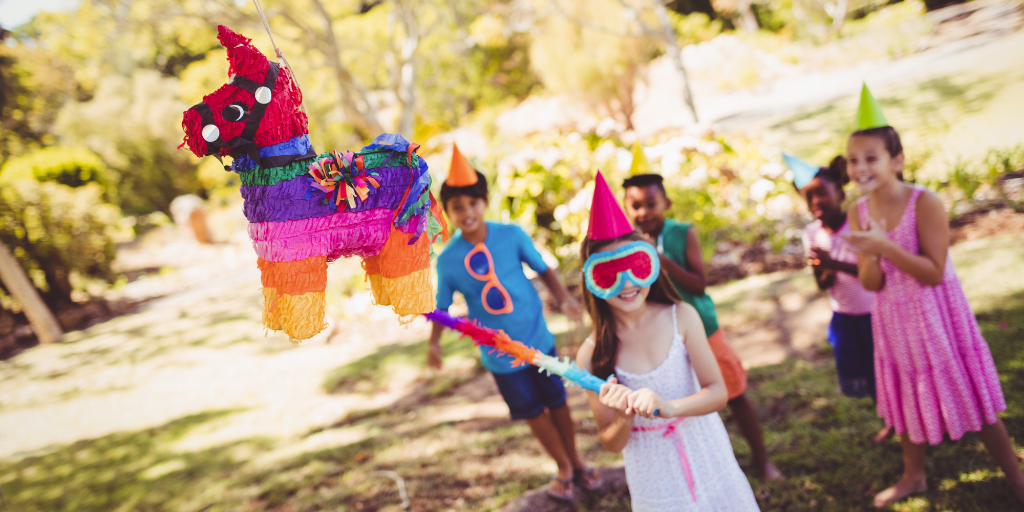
x=732, y=369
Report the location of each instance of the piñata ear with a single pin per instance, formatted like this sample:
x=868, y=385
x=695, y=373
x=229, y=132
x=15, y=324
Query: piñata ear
x=244, y=59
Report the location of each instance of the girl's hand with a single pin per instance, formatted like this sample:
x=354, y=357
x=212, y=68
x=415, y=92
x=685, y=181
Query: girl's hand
x=820, y=258
x=644, y=402
x=615, y=395
x=871, y=242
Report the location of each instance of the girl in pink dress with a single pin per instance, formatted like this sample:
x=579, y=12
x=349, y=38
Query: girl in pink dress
x=934, y=373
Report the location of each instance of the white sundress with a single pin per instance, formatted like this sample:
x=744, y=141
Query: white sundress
x=659, y=450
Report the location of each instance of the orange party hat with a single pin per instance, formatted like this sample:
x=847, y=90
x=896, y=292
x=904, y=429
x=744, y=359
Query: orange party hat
x=461, y=174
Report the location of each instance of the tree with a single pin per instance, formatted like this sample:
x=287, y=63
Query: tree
x=645, y=23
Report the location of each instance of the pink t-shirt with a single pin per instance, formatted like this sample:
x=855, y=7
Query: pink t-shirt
x=846, y=295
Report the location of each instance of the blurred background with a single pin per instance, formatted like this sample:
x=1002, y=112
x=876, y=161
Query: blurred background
x=167, y=394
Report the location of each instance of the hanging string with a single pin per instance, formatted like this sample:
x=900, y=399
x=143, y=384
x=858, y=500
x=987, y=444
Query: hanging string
x=280, y=54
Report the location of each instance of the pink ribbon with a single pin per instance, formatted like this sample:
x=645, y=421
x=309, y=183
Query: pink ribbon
x=677, y=440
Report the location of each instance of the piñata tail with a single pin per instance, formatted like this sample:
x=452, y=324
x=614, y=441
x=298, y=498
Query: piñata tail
x=307, y=209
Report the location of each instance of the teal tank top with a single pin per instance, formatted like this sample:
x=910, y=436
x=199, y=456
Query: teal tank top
x=672, y=243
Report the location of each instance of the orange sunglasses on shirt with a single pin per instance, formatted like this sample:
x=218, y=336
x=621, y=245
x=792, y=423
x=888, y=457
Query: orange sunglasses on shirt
x=494, y=297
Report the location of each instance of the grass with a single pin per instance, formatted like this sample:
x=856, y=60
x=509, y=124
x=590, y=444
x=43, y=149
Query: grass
x=472, y=461
x=955, y=111
x=373, y=373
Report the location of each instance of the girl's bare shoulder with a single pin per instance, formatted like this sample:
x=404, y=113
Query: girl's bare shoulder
x=585, y=354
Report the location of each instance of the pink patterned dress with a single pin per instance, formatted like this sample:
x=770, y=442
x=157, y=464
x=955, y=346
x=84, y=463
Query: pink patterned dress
x=933, y=370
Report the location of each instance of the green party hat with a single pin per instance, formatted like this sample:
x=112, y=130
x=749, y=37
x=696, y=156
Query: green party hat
x=869, y=115
x=640, y=164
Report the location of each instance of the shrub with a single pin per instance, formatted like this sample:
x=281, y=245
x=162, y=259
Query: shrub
x=71, y=166
x=56, y=231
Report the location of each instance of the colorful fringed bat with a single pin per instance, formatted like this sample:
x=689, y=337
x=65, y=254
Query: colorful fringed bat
x=305, y=209
x=498, y=340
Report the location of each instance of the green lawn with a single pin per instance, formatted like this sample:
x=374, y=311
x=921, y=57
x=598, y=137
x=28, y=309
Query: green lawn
x=470, y=461
x=958, y=108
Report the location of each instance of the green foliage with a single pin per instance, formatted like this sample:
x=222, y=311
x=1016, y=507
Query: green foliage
x=593, y=64
x=127, y=124
x=695, y=27
x=71, y=166
x=1003, y=165
x=726, y=185
x=56, y=231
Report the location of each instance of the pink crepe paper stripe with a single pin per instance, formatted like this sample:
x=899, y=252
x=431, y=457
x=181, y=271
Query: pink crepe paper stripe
x=338, y=235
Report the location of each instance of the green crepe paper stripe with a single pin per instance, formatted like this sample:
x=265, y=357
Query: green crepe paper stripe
x=378, y=158
x=433, y=228
x=424, y=199
x=274, y=175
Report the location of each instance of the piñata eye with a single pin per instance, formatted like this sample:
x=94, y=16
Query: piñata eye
x=211, y=133
x=235, y=112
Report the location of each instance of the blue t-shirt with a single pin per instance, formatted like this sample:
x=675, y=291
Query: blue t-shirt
x=510, y=247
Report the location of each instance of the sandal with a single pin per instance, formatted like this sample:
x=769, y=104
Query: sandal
x=566, y=495
x=581, y=477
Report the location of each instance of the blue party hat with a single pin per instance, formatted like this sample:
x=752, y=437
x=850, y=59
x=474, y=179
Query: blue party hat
x=803, y=172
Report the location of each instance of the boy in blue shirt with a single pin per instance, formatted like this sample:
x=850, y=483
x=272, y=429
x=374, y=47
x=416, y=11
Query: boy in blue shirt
x=483, y=262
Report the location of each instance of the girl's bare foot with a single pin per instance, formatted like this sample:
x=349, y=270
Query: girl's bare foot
x=770, y=473
x=882, y=435
x=905, y=487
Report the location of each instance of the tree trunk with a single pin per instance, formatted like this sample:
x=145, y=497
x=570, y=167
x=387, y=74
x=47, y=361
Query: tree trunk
x=406, y=80
x=748, y=20
x=839, y=16
x=43, y=322
x=674, y=53
x=354, y=101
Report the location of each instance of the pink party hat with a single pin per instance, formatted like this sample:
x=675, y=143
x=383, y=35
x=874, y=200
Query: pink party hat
x=607, y=220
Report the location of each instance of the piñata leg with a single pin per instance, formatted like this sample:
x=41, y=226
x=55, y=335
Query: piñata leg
x=294, y=296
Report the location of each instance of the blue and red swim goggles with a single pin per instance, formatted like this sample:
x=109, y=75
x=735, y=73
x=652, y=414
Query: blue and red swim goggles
x=605, y=273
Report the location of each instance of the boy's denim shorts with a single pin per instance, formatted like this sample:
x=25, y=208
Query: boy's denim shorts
x=528, y=392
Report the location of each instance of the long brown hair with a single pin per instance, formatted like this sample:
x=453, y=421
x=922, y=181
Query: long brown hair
x=606, y=342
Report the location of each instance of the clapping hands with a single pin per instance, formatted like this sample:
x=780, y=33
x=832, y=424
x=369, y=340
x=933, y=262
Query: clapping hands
x=871, y=242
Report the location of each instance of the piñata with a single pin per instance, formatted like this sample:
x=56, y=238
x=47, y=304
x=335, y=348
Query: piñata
x=307, y=209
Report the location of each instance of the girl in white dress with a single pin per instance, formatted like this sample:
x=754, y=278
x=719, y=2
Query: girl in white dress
x=661, y=412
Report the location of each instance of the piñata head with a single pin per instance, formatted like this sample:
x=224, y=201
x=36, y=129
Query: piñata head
x=258, y=107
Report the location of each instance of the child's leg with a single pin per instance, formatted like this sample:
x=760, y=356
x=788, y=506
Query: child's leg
x=562, y=419
x=750, y=427
x=913, y=480
x=525, y=398
x=997, y=442
x=545, y=431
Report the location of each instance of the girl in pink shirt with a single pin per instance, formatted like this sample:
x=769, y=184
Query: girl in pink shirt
x=834, y=263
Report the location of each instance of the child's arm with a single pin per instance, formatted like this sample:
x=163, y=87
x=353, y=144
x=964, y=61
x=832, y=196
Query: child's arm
x=434, y=349
x=691, y=280
x=569, y=305
x=933, y=235
x=712, y=395
x=824, y=277
x=613, y=424
x=869, y=267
